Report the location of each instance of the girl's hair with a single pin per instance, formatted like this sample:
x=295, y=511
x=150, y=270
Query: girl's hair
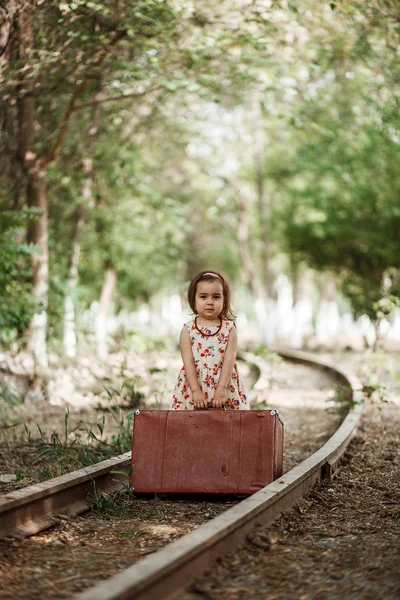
x=227, y=312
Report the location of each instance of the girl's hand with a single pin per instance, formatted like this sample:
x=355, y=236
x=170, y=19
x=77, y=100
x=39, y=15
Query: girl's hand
x=219, y=397
x=199, y=400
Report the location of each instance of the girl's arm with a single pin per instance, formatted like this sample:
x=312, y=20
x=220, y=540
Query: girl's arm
x=227, y=368
x=199, y=400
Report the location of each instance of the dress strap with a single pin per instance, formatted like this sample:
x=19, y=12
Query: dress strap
x=227, y=325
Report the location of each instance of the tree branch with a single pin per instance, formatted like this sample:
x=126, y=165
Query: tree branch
x=43, y=162
x=115, y=98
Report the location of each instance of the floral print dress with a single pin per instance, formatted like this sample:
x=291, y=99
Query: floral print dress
x=208, y=353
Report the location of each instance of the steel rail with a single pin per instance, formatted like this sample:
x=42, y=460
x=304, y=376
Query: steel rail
x=159, y=576
x=37, y=507
x=32, y=509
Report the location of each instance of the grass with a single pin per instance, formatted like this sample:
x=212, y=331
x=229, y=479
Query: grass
x=342, y=401
x=9, y=395
x=111, y=505
x=79, y=445
x=129, y=533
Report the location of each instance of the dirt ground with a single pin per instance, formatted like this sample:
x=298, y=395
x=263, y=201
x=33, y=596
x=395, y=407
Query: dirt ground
x=69, y=557
x=340, y=543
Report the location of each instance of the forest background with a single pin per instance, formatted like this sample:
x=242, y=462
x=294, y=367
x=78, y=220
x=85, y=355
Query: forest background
x=144, y=140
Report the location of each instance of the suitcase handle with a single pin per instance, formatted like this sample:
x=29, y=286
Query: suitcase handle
x=210, y=405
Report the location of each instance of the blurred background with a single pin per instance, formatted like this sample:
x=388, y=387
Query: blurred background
x=143, y=141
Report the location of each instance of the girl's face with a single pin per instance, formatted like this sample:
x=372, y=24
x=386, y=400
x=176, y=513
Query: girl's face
x=209, y=299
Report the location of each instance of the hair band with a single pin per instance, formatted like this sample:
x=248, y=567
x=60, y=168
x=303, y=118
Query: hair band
x=213, y=275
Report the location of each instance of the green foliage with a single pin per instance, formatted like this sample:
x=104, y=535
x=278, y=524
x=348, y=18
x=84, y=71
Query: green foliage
x=385, y=308
x=342, y=401
x=377, y=366
x=16, y=303
x=375, y=369
x=160, y=98
x=342, y=211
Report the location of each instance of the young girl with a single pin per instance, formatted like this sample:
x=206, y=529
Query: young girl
x=209, y=377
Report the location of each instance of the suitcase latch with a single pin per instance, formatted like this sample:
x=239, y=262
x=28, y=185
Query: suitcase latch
x=275, y=412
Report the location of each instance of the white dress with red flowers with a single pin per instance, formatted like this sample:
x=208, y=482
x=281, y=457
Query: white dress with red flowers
x=208, y=353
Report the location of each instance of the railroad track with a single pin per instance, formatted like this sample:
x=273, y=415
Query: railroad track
x=161, y=574
x=30, y=510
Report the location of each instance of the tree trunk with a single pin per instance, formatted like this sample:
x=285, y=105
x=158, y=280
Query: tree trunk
x=69, y=338
x=327, y=325
x=106, y=297
x=38, y=235
x=72, y=283
x=302, y=305
x=264, y=205
x=8, y=12
x=36, y=195
x=243, y=239
x=34, y=165
x=260, y=305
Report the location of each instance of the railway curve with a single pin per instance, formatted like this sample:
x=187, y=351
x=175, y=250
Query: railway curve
x=162, y=574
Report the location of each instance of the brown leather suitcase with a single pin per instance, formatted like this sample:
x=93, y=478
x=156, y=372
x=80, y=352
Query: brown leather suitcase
x=210, y=451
